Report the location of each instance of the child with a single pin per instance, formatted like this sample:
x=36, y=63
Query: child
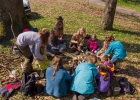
x=93, y=44
x=103, y=49
x=84, y=74
x=105, y=60
x=103, y=79
x=55, y=46
x=58, y=80
x=77, y=41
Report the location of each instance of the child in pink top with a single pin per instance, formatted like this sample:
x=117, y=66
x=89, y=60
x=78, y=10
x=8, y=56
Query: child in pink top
x=93, y=44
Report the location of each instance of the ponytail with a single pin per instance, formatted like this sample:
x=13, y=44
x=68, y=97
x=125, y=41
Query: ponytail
x=56, y=63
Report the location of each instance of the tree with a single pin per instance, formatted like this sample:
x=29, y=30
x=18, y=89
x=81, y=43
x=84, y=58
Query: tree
x=109, y=13
x=12, y=18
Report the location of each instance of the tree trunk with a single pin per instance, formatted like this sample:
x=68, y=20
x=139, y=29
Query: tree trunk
x=12, y=18
x=109, y=13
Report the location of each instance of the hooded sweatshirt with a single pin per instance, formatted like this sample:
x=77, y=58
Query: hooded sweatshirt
x=83, y=78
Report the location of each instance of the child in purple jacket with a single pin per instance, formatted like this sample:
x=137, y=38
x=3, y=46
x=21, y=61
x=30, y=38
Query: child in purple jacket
x=103, y=80
x=93, y=44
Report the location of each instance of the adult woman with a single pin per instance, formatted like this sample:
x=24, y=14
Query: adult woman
x=116, y=48
x=35, y=39
x=55, y=45
x=77, y=40
x=84, y=75
x=58, y=80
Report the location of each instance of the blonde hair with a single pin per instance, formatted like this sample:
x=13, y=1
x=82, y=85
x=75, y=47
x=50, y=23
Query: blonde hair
x=44, y=35
x=81, y=29
x=56, y=62
x=91, y=58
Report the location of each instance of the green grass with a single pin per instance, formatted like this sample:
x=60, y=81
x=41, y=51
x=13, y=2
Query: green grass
x=77, y=14
x=130, y=4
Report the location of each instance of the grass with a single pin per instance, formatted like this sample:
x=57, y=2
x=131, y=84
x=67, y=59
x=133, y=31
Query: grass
x=77, y=14
x=130, y=4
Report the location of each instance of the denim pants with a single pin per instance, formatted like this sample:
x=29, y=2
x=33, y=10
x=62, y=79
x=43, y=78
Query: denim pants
x=55, y=51
x=115, y=60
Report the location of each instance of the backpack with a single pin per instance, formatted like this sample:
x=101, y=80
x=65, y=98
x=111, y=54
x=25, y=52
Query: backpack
x=9, y=88
x=126, y=86
x=28, y=84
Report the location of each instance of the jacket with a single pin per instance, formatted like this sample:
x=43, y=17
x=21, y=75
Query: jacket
x=117, y=48
x=83, y=78
x=59, y=84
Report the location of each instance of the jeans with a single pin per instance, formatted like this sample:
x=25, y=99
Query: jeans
x=115, y=60
x=54, y=50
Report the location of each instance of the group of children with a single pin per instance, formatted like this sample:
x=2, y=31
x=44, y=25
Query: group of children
x=83, y=71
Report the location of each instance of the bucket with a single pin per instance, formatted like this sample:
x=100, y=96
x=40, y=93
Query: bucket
x=116, y=90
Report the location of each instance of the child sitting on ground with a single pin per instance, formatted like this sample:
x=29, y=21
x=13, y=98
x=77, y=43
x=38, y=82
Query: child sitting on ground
x=103, y=49
x=93, y=44
x=103, y=80
x=105, y=60
x=55, y=46
x=77, y=41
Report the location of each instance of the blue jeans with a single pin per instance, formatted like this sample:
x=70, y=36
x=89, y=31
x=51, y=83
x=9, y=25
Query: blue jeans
x=115, y=60
x=56, y=51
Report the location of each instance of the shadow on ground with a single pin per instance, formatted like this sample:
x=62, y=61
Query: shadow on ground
x=130, y=71
x=127, y=32
x=34, y=16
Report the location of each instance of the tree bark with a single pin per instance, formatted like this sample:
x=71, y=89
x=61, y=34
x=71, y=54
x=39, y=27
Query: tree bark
x=109, y=13
x=12, y=18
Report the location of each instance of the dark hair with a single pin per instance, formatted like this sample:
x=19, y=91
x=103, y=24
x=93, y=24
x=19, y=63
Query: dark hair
x=103, y=68
x=60, y=18
x=44, y=35
x=58, y=29
x=56, y=63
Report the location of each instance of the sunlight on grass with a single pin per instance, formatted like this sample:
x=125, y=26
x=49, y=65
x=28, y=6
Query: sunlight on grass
x=129, y=5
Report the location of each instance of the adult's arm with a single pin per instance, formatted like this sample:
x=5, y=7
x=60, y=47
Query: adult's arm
x=109, y=50
x=37, y=51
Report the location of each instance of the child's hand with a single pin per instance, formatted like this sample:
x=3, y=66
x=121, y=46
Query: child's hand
x=76, y=42
x=60, y=38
